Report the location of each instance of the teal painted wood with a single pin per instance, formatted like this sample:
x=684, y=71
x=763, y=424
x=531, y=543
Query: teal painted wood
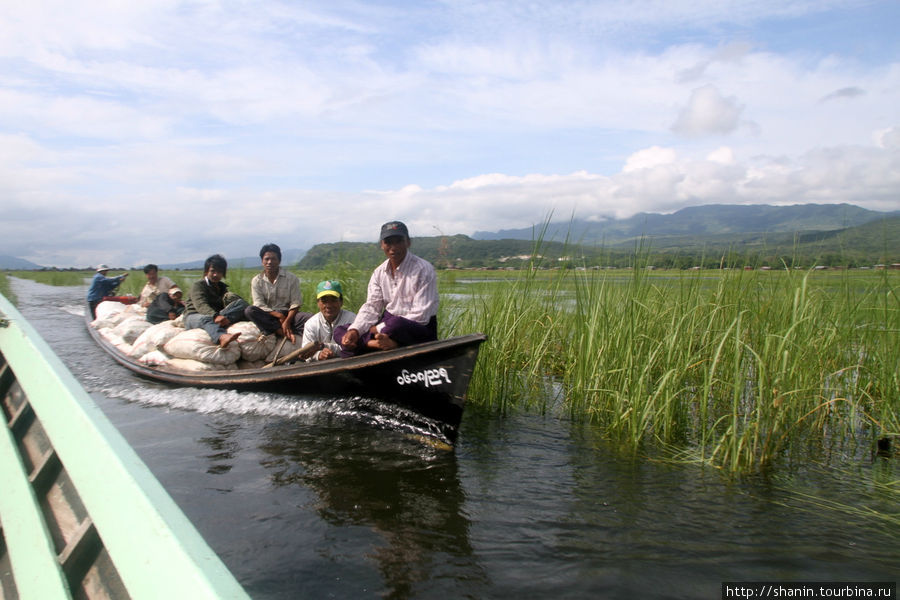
x=154, y=547
x=33, y=559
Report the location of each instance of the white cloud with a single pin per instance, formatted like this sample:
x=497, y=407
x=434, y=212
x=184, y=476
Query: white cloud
x=465, y=115
x=650, y=158
x=888, y=138
x=708, y=113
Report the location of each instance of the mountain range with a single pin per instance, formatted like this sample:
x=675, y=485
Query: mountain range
x=708, y=220
x=288, y=257
x=708, y=236
x=776, y=232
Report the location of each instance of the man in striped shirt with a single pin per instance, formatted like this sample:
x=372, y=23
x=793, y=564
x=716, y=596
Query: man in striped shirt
x=401, y=302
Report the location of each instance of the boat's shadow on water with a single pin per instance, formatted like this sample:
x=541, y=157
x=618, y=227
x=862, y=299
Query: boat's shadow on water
x=401, y=489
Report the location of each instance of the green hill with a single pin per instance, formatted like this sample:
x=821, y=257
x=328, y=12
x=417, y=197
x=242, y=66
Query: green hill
x=714, y=219
x=876, y=242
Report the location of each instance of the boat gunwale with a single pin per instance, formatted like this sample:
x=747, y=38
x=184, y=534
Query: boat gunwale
x=122, y=498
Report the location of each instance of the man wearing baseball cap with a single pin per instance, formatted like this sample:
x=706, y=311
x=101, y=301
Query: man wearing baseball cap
x=166, y=307
x=320, y=327
x=401, y=302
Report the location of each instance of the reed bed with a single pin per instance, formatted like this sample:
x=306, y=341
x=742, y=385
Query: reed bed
x=5, y=288
x=353, y=281
x=734, y=368
x=738, y=369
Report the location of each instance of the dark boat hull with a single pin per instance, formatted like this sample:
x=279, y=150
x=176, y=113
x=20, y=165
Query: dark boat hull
x=429, y=379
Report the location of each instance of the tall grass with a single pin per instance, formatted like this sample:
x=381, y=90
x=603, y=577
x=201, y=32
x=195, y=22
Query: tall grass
x=353, y=281
x=5, y=288
x=736, y=367
x=739, y=369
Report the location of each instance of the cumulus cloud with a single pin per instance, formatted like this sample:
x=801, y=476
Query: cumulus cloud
x=456, y=117
x=888, y=138
x=653, y=179
x=708, y=113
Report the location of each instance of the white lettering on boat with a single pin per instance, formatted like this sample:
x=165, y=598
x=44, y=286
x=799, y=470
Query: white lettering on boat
x=429, y=377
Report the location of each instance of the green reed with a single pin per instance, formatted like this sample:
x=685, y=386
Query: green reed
x=5, y=288
x=55, y=277
x=737, y=367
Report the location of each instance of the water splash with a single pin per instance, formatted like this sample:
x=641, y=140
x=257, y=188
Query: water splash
x=209, y=401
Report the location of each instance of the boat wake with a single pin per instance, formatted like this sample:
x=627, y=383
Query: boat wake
x=77, y=310
x=207, y=401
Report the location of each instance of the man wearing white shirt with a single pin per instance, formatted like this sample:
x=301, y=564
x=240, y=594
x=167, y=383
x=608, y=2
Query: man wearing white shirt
x=401, y=302
x=320, y=328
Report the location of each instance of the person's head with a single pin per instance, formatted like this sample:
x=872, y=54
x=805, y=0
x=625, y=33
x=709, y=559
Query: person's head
x=175, y=293
x=329, y=298
x=102, y=269
x=395, y=241
x=215, y=267
x=270, y=255
x=152, y=273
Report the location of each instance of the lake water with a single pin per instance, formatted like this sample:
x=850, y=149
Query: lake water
x=326, y=498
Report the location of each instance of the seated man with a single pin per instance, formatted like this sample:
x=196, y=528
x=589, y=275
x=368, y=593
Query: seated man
x=166, y=306
x=401, y=302
x=211, y=306
x=155, y=285
x=320, y=328
x=101, y=286
x=276, y=297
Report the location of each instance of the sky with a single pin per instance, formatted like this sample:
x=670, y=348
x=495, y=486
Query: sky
x=168, y=130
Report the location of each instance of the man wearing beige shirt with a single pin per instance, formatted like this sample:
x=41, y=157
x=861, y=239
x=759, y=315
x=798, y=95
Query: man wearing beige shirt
x=276, y=297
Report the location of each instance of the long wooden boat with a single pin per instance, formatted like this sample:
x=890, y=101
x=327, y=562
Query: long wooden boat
x=429, y=379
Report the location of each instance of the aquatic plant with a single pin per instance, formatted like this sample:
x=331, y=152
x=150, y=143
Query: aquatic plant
x=735, y=368
x=5, y=288
x=740, y=367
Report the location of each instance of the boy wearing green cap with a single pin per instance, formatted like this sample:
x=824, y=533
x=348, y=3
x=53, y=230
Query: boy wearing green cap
x=320, y=328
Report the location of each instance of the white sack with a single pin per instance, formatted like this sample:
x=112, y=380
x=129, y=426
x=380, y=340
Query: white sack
x=253, y=343
x=107, y=314
x=131, y=328
x=154, y=338
x=115, y=339
x=154, y=358
x=197, y=345
x=134, y=310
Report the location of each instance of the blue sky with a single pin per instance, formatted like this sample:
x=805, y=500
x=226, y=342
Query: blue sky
x=135, y=132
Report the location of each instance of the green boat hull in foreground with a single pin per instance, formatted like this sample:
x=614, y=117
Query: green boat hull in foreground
x=80, y=515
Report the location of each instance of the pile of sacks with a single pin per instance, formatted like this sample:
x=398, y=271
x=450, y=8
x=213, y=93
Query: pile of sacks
x=170, y=345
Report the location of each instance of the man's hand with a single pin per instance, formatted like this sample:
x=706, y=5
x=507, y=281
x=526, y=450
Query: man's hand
x=287, y=329
x=287, y=323
x=350, y=339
